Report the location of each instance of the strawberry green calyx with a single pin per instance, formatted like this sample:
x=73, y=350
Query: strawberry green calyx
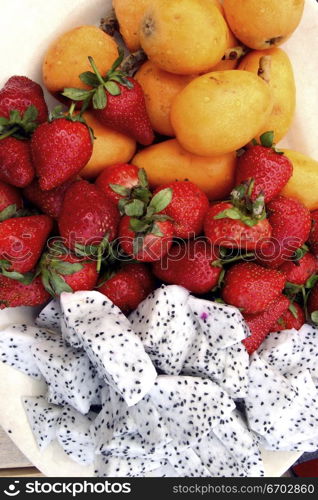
x=135, y=200
x=20, y=127
x=96, y=252
x=25, y=279
x=267, y=141
x=98, y=95
x=52, y=270
x=244, y=209
x=147, y=222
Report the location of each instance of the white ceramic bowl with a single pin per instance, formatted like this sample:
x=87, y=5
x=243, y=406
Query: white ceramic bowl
x=27, y=27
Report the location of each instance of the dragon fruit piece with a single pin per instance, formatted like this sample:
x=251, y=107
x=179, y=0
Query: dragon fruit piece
x=282, y=351
x=73, y=434
x=123, y=467
x=190, y=406
x=113, y=348
x=270, y=394
x=221, y=324
x=166, y=327
x=188, y=464
x=241, y=443
x=150, y=423
x=299, y=422
x=50, y=316
x=102, y=427
x=54, y=397
x=68, y=372
x=15, y=347
x=43, y=419
x=165, y=470
x=308, y=335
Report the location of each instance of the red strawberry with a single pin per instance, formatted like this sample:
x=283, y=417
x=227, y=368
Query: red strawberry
x=292, y=318
x=232, y=233
x=252, y=287
x=60, y=149
x=50, y=202
x=15, y=294
x=313, y=237
x=298, y=272
x=306, y=469
x=22, y=241
x=291, y=223
x=147, y=247
x=190, y=264
x=312, y=304
x=261, y=324
x=128, y=287
x=269, y=169
x=9, y=197
x=187, y=208
x=118, y=102
x=123, y=181
x=19, y=93
x=16, y=166
x=87, y=216
x=62, y=271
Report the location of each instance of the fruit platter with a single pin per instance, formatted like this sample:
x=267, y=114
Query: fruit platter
x=159, y=237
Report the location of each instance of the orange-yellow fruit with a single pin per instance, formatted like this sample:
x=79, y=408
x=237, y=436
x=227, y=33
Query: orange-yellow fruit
x=110, y=147
x=160, y=88
x=129, y=14
x=303, y=185
x=282, y=84
x=262, y=24
x=228, y=64
x=168, y=161
x=67, y=57
x=184, y=36
x=220, y=112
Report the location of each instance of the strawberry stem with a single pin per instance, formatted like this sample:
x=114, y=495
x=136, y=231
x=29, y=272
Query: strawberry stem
x=9, y=133
x=95, y=69
x=72, y=109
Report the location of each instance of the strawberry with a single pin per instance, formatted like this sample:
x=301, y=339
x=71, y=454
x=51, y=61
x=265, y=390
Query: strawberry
x=262, y=323
x=19, y=93
x=60, y=149
x=62, y=271
x=118, y=101
x=10, y=200
x=294, y=317
x=16, y=294
x=291, y=223
x=124, y=182
x=187, y=208
x=306, y=469
x=190, y=264
x=129, y=286
x=313, y=236
x=312, y=304
x=22, y=240
x=251, y=287
x=299, y=271
x=146, y=246
x=16, y=167
x=49, y=202
x=270, y=169
x=87, y=217
x=229, y=233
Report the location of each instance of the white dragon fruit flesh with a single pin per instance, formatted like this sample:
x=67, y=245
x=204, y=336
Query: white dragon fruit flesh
x=43, y=419
x=68, y=372
x=73, y=434
x=112, y=346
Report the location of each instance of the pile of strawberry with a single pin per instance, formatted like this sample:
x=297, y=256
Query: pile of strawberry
x=257, y=251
